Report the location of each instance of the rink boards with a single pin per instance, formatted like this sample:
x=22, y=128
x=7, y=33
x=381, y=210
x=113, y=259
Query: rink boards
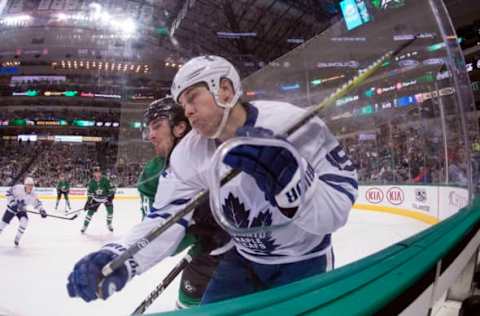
x=426, y=203
x=381, y=219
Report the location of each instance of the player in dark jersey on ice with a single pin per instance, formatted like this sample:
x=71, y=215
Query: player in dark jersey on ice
x=99, y=191
x=63, y=188
x=166, y=125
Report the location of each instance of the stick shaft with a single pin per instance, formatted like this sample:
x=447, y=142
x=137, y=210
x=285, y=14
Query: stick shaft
x=55, y=216
x=162, y=286
x=75, y=211
x=203, y=195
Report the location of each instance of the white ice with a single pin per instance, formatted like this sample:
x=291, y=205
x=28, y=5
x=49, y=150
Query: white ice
x=33, y=276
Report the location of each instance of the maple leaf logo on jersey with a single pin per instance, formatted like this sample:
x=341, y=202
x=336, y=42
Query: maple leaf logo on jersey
x=235, y=212
x=262, y=219
x=260, y=243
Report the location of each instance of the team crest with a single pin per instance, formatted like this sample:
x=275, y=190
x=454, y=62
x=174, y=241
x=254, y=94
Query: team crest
x=420, y=195
x=236, y=213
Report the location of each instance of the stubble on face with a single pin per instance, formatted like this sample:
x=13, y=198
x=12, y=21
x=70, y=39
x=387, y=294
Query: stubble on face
x=162, y=139
x=202, y=111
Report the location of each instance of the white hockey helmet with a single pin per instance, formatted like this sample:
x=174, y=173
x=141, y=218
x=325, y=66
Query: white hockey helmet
x=210, y=70
x=28, y=181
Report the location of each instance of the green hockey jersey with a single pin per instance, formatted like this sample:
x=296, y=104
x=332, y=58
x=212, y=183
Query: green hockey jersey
x=63, y=186
x=148, y=182
x=100, y=189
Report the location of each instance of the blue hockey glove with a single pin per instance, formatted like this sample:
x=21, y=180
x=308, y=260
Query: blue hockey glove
x=273, y=168
x=43, y=214
x=82, y=282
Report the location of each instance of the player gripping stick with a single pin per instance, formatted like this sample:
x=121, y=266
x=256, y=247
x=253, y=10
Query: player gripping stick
x=281, y=230
x=63, y=188
x=21, y=198
x=100, y=191
x=167, y=125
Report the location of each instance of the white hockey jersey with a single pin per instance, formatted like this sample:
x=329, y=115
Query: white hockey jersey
x=19, y=200
x=332, y=193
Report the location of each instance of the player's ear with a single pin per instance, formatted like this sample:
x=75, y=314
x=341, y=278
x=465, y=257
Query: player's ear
x=180, y=129
x=226, y=92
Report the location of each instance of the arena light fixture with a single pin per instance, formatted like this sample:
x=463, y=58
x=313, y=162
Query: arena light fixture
x=15, y=20
x=62, y=16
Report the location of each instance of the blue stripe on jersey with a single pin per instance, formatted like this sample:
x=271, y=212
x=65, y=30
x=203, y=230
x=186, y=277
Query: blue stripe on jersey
x=179, y=201
x=341, y=190
x=183, y=222
x=252, y=114
x=12, y=209
x=326, y=242
x=155, y=215
x=330, y=177
x=333, y=162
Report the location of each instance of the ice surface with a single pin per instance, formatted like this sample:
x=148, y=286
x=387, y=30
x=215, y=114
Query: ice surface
x=33, y=276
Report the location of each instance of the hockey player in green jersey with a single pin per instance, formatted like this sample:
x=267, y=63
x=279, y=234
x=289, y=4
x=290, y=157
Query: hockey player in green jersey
x=63, y=188
x=147, y=184
x=99, y=191
x=166, y=126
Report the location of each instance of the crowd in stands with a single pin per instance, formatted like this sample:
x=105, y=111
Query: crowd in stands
x=45, y=161
x=399, y=156
x=408, y=157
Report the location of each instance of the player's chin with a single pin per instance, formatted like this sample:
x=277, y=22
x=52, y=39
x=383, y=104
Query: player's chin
x=203, y=130
x=160, y=150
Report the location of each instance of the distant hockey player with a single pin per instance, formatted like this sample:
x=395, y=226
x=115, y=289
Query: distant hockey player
x=294, y=223
x=167, y=125
x=63, y=188
x=21, y=198
x=99, y=191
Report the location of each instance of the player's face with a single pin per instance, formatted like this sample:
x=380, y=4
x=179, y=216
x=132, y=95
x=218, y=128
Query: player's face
x=28, y=188
x=160, y=135
x=201, y=109
x=97, y=175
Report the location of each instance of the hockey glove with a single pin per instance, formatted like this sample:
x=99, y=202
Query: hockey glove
x=82, y=282
x=88, y=203
x=91, y=203
x=100, y=199
x=272, y=167
x=43, y=214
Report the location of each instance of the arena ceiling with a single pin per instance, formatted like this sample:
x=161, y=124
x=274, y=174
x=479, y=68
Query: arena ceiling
x=251, y=33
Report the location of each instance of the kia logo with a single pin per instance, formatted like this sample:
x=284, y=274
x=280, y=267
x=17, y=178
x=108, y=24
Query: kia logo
x=374, y=195
x=395, y=195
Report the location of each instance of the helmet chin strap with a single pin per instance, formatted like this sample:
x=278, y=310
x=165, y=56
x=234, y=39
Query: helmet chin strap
x=223, y=123
x=227, y=106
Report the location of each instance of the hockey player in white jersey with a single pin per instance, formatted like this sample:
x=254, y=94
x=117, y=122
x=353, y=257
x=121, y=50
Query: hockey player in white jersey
x=21, y=198
x=294, y=193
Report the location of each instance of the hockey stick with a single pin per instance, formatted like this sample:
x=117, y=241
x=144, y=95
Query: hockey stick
x=83, y=208
x=162, y=286
x=75, y=211
x=56, y=216
x=202, y=196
